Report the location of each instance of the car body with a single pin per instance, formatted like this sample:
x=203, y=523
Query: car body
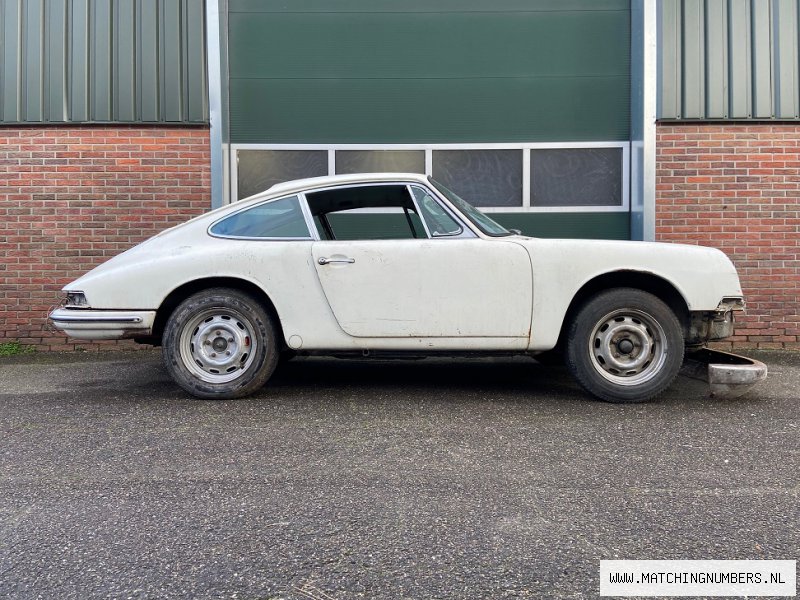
x=441, y=278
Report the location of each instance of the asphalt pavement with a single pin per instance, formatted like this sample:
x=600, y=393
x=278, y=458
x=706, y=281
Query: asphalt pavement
x=412, y=479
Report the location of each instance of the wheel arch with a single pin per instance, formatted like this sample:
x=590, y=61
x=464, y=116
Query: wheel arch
x=179, y=294
x=641, y=280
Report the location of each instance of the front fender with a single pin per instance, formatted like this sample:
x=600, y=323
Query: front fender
x=702, y=276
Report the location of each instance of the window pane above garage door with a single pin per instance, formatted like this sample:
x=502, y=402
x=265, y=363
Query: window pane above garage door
x=544, y=177
x=258, y=170
x=481, y=177
x=379, y=161
x=576, y=177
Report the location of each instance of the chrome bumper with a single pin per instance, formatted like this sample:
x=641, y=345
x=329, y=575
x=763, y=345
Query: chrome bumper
x=85, y=324
x=728, y=375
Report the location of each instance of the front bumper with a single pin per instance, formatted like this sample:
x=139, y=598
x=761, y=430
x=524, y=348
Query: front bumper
x=86, y=324
x=728, y=375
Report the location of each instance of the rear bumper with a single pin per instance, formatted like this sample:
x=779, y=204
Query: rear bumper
x=87, y=324
x=728, y=375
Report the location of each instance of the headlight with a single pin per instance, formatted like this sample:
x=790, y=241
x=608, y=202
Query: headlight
x=76, y=300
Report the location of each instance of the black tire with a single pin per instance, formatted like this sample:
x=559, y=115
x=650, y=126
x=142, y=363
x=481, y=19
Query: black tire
x=220, y=343
x=624, y=345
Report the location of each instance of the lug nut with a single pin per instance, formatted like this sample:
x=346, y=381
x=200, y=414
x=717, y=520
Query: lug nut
x=230, y=340
x=213, y=355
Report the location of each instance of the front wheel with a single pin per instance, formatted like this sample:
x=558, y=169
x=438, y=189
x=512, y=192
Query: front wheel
x=220, y=343
x=624, y=345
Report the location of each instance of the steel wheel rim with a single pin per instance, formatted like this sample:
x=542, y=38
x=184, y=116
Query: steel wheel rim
x=218, y=345
x=628, y=347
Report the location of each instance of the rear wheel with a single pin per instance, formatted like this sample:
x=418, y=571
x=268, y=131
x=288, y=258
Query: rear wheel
x=624, y=345
x=220, y=343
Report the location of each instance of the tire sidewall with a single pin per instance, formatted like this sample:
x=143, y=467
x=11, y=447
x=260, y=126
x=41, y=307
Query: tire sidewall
x=259, y=370
x=580, y=363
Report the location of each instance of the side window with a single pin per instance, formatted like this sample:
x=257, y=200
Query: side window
x=277, y=219
x=389, y=224
x=366, y=212
x=438, y=220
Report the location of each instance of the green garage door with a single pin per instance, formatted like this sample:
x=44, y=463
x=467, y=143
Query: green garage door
x=520, y=106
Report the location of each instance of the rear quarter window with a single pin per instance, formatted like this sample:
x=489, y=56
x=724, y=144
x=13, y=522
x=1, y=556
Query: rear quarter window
x=277, y=219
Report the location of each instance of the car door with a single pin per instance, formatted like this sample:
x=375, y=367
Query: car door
x=440, y=287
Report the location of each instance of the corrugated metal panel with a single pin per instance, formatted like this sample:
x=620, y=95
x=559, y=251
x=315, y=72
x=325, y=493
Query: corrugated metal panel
x=729, y=59
x=400, y=71
x=55, y=87
x=127, y=61
x=787, y=71
x=738, y=66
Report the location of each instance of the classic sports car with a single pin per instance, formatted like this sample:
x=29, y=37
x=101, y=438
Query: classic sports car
x=397, y=264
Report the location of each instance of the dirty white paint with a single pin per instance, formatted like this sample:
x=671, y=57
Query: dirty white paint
x=508, y=293
x=703, y=276
x=428, y=288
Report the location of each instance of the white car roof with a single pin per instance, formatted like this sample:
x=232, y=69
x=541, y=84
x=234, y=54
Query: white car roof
x=299, y=185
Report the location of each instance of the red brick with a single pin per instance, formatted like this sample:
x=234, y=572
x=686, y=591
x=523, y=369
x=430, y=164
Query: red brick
x=761, y=234
x=74, y=198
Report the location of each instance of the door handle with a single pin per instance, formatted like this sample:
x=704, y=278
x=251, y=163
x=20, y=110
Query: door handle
x=327, y=261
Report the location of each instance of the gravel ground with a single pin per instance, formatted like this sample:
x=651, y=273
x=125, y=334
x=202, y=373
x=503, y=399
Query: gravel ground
x=365, y=479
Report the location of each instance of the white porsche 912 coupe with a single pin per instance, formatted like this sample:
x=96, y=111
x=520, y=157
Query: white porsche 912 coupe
x=285, y=272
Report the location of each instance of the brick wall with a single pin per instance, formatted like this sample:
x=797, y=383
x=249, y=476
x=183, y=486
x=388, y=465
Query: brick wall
x=737, y=187
x=72, y=197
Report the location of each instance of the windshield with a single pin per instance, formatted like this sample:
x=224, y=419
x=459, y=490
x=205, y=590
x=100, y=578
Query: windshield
x=480, y=220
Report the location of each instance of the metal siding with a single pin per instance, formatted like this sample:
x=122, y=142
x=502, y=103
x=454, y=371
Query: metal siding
x=103, y=61
x=195, y=58
x=716, y=58
x=100, y=60
x=148, y=88
x=170, y=63
x=608, y=226
x=693, y=53
x=670, y=58
x=78, y=63
x=32, y=73
x=11, y=59
x=729, y=59
x=390, y=72
x=124, y=60
x=55, y=79
x=417, y=6
x=739, y=97
x=785, y=14
x=184, y=63
x=762, y=59
x=739, y=56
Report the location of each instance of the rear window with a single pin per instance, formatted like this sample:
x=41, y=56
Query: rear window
x=282, y=219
